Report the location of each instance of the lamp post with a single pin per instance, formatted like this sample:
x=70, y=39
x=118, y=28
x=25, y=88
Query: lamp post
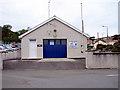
x=107, y=32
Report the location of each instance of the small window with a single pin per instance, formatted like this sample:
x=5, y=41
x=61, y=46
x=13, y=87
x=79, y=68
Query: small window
x=45, y=42
x=51, y=42
x=64, y=42
x=57, y=42
x=32, y=40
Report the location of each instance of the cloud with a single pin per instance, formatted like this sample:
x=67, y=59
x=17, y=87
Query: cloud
x=23, y=12
x=28, y=13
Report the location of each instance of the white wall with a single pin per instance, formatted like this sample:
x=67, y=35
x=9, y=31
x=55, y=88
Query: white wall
x=1, y=62
x=101, y=61
x=63, y=32
x=9, y=55
x=92, y=61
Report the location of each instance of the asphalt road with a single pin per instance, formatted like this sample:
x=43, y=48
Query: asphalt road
x=107, y=78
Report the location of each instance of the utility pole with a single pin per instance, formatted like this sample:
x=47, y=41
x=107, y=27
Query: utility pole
x=82, y=45
x=98, y=37
x=82, y=19
x=49, y=8
x=107, y=32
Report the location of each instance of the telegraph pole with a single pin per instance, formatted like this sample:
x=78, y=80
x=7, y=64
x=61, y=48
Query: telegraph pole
x=49, y=8
x=82, y=19
x=98, y=37
x=82, y=47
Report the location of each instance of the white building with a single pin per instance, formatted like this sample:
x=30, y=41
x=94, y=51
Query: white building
x=54, y=38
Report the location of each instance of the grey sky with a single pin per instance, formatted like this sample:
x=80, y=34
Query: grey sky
x=28, y=13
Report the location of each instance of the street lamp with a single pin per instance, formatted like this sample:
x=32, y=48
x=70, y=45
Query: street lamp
x=107, y=32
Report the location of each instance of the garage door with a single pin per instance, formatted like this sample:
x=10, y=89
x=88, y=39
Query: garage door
x=55, y=48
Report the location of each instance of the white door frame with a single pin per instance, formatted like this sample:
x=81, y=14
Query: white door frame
x=32, y=48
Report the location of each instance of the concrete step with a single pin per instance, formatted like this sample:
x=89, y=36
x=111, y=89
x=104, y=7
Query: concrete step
x=44, y=65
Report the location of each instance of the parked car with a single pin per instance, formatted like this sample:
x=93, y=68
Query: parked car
x=2, y=49
x=14, y=45
x=19, y=45
x=10, y=48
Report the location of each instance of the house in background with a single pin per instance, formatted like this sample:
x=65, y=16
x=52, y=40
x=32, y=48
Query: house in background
x=99, y=41
x=54, y=38
x=111, y=42
x=89, y=42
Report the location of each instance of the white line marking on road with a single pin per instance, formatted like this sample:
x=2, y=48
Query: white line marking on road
x=111, y=75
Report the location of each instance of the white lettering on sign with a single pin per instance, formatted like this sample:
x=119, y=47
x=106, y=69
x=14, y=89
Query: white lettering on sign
x=73, y=44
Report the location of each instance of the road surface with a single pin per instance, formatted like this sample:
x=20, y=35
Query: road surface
x=101, y=78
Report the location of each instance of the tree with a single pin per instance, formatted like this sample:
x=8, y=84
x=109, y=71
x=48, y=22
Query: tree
x=92, y=38
x=116, y=37
x=9, y=36
x=116, y=47
x=109, y=47
x=6, y=33
x=20, y=32
x=6, y=30
x=100, y=47
x=7, y=27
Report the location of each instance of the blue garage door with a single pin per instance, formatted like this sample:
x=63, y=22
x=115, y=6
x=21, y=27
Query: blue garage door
x=55, y=48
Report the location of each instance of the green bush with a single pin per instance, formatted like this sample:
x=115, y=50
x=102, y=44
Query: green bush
x=116, y=47
x=109, y=47
x=100, y=47
x=89, y=47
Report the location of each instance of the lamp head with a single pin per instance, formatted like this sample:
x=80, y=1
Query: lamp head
x=103, y=26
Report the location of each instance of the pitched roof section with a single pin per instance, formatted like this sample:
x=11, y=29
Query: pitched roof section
x=89, y=41
x=112, y=40
x=100, y=40
x=50, y=19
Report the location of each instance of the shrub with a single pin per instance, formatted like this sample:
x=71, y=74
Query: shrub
x=109, y=47
x=116, y=47
x=100, y=47
x=89, y=47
